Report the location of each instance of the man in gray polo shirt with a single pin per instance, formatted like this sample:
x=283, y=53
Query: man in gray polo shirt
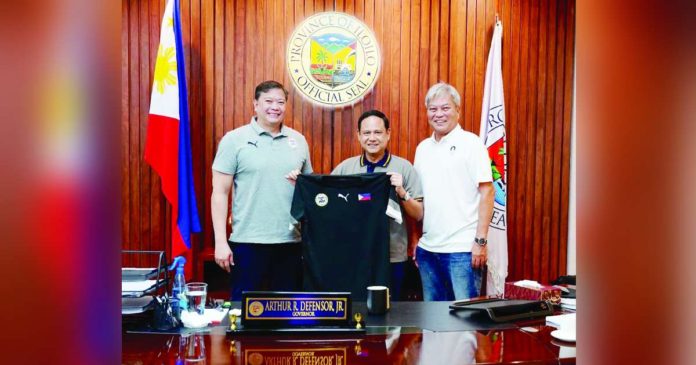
x=263, y=252
x=373, y=134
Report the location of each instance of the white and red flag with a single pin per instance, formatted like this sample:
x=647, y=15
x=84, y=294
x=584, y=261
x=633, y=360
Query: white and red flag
x=493, y=134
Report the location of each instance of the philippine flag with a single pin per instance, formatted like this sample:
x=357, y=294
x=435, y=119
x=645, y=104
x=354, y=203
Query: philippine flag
x=168, y=144
x=364, y=197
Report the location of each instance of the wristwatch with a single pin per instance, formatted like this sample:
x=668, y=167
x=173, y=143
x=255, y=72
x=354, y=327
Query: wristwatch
x=406, y=197
x=481, y=241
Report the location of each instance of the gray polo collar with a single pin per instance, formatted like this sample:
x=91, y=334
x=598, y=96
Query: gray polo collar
x=383, y=162
x=259, y=130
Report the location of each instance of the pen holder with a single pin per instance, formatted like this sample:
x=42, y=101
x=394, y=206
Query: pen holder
x=163, y=318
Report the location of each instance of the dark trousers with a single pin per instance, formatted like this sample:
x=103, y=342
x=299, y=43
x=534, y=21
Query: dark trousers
x=258, y=266
x=397, y=280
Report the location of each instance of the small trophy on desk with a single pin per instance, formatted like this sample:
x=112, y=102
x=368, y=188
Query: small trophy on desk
x=233, y=314
x=358, y=320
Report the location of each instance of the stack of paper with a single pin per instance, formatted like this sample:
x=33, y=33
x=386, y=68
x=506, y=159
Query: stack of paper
x=137, y=286
x=568, y=303
x=561, y=321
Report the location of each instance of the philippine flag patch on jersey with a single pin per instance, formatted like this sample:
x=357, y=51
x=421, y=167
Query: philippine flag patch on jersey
x=364, y=197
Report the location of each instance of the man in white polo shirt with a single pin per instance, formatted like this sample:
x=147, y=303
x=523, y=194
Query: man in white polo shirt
x=455, y=172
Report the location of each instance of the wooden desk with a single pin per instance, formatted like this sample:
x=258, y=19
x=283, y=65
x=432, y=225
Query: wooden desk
x=526, y=342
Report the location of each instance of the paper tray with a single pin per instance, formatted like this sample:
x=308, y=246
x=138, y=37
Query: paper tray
x=137, y=273
x=136, y=305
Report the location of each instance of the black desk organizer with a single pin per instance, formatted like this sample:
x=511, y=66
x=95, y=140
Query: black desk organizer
x=138, y=302
x=504, y=310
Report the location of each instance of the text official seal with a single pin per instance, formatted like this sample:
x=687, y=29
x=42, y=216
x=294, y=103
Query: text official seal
x=333, y=59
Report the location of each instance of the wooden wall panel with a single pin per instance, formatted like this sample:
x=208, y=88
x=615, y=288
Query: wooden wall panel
x=233, y=45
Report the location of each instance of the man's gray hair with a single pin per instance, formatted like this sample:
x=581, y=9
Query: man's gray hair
x=441, y=89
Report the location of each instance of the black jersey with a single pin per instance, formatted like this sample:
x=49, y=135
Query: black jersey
x=345, y=231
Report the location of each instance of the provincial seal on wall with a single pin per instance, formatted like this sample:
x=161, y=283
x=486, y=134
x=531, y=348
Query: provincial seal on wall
x=333, y=59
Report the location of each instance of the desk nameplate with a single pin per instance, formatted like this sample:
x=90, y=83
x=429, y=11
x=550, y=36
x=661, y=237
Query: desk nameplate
x=297, y=311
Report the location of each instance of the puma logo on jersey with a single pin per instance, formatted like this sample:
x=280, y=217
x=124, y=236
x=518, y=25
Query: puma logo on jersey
x=345, y=197
x=253, y=143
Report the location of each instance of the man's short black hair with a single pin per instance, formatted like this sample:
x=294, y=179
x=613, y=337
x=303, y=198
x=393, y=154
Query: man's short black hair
x=373, y=113
x=267, y=86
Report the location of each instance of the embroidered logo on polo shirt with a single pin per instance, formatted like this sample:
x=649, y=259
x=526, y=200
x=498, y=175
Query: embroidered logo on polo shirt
x=364, y=197
x=321, y=199
x=345, y=197
x=253, y=143
x=453, y=148
x=292, y=142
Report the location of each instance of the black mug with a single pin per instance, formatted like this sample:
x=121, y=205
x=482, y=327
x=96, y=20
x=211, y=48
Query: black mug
x=377, y=299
